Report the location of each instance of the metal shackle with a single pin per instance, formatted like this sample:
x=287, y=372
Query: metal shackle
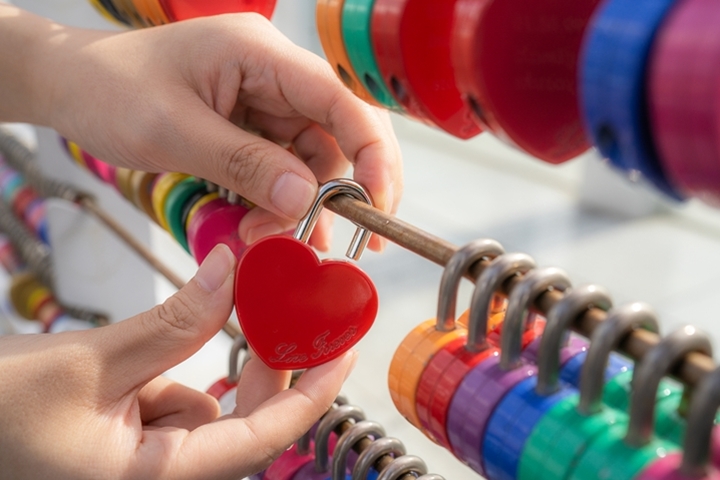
x=402, y=465
x=348, y=440
x=620, y=323
x=658, y=362
x=456, y=267
x=490, y=281
x=559, y=319
x=384, y=446
x=328, y=423
x=524, y=294
x=340, y=186
x=239, y=345
x=700, y=425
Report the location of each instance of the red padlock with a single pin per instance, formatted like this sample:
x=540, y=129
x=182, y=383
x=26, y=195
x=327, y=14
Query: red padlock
x=412, y=41
x=516, y=64
x=178, y=10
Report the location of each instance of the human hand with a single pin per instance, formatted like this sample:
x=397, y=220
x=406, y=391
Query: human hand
x=171, y=98
x=90, y=404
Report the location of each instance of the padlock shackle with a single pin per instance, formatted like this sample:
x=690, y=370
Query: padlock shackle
x=456, y=268
x=559, y=319
x=657, y=363
x=619, y=323
x=520, y=301
x=377, y=449
x=346, y=441
x=490, y=281
x=235, y=368
x=327, y=424
x=403, y=465
x=700, y=425
x=339, y=186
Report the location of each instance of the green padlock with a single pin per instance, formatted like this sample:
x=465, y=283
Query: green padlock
x=356, y=18
x=177, y=200
x=628, y=446
x=565, y=432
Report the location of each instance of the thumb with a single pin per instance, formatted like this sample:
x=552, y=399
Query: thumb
x=144, y=346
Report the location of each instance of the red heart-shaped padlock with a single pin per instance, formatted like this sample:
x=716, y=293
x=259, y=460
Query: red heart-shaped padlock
x=297, y=311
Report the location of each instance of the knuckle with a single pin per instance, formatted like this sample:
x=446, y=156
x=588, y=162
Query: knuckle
x=247, y=167
x=174, y=316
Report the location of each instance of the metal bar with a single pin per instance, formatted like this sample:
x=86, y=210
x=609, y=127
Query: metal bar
x=690, y=371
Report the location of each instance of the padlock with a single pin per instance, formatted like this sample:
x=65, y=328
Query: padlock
x=627, y=447
x=356, y=21
x=405, y=465
x=448, y=367
x=127, y=10
x=288, y=464
x=486, y=384
x=161, y=189
x=516, y=65
x=141, y=185
x=613, y=99
x=422, y=343
x=347, y=440
x=178, y=10
x=215, y=222
x=319, y=469
x=207, y=198
x=695, y=461
x=527, y=402
x=566, y=429
x=377, y=449
x=101, y=6
x=684, y=120
x=122, y=182
x=175, y=204
x=411, y=40
x=328, y=15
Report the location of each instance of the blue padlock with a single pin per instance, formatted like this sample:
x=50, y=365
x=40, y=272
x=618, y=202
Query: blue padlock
x=613, y=104
x=379, y=448
x=345, y=443
x=523, y=406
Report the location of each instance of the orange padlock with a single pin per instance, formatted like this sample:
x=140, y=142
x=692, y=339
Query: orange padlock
x=424, y=341
x=329, y=25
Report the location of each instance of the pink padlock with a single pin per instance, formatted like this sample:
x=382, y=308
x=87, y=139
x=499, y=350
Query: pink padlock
x=216, y=222
x=684, y=99
x=694, y=463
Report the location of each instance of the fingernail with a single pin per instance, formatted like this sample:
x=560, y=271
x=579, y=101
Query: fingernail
x=353, y=362
x=293, y=195
x=216, y=268
x=263, y=230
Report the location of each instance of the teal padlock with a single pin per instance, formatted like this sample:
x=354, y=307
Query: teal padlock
x=356, y=22
x=628, y=446
x=566, y=430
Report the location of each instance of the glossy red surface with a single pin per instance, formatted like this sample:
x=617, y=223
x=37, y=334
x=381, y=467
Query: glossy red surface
x=185, y=9
x=296, y=311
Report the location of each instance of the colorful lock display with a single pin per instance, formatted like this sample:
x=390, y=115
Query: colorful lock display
x=425, y=341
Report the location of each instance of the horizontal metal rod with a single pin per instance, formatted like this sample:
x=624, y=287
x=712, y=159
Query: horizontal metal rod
x=690, y=371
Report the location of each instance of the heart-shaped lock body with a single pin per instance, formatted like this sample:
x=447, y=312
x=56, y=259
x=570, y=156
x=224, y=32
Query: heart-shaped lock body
x=296, y=311
x=516, y=65
x=526, y=403
x=425, y=341
x=563, y=434
x=613, y=95
x=178, y=10
x=329, y=15
x=176, y=203
x=626, y=448
x=412, y=40
x=215, y=222
x=685, y=121
x=356, y=21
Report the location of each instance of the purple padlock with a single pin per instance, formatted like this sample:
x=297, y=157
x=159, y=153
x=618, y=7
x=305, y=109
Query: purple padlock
x=485, y=385
x=319, y=468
